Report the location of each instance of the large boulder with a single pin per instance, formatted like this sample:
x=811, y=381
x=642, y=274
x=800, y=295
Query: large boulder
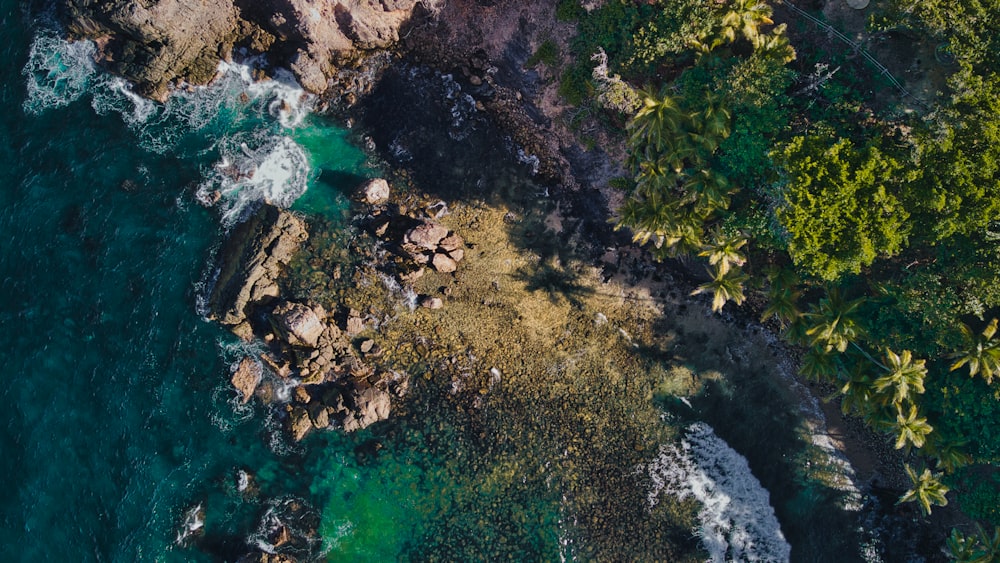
x=246, y=378
x=374, y=191
x=251, y=260
x=425, y=236
x=366, y=407
x=297, y=324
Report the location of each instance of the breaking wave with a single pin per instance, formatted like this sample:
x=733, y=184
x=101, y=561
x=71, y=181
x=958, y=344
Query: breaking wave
x=244, y=121
x=737, y=521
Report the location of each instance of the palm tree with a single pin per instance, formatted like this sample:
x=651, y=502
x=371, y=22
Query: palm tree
x=911, y=428
x=834, y=321
x=655, y=122
x=743, y=19
x=988, y=546
x=905, y=376
x=947, y=451
x=782, y=295
x=724, y=287
x=683, y=238
x=927, y=490
x=781, y=305
x=818, y=365
x=775, y=45
x=724, y=251
x=711, y=125
x=652, y=217
x=708, y=190
x=980, y=548
x=961, y=548
x=982, y=353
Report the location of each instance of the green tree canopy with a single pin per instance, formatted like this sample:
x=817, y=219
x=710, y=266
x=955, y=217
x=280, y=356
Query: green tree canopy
x=840, y=207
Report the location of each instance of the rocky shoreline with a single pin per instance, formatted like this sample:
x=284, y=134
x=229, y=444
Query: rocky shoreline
x=324, y=366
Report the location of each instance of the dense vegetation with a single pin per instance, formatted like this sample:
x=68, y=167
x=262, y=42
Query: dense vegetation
x=874, y=232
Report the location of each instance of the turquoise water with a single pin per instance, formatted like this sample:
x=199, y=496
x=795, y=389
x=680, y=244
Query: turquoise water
x=118, y=415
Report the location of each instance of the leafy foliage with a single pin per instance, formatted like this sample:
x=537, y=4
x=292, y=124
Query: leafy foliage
x=841, y=207
x=927, y=490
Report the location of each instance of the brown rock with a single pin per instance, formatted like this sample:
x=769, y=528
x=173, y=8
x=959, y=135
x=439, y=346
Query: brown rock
x=246, y=377
x=451, y=243
x=431, y=302
x=412, y=276
x=244, y=331
x=457, y=255
x=251, y=259
x=354, y=326
x=281, y=536
x=302, y=395
x=370, y=406
x=319, y=415
x=299, y=423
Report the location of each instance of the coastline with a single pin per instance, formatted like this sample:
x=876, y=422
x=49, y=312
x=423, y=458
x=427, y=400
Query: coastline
x=529, y=114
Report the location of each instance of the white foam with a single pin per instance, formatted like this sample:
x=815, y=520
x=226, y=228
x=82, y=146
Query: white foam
x=194, y=521
x=737, y=521
x=57, y=72
x=245, y=120
x=276, y=171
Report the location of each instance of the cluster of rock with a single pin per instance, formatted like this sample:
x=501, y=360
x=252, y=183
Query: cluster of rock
x=156, y=44
x=418, y=242
x=314, y=356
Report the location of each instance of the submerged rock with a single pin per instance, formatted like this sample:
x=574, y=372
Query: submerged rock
x=250, y=261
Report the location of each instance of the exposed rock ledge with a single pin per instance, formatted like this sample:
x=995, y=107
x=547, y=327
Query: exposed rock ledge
x=159, y=43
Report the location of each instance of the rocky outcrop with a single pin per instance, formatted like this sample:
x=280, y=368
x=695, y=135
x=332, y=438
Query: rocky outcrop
x=333, y=385
x=157, y=43
x=251, y=260
x=299, y=325
x=419, y=243
x=374, y=191
x=246, y=378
